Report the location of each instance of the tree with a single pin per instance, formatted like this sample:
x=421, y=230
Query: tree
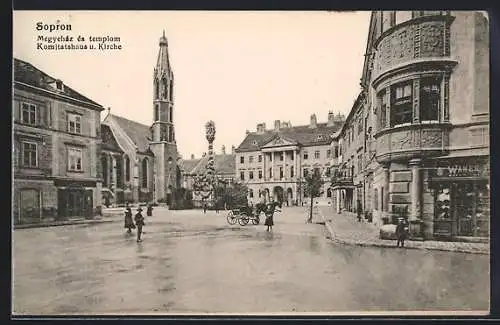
x=236, y=195
x=313, y=188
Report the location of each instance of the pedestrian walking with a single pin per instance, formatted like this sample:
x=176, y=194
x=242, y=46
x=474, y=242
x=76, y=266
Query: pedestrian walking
x=204, y=207
x=129, y=222
x=149, y=211
x=401, y=232
x=217, y=207
x=139, y=222
x=358, y=210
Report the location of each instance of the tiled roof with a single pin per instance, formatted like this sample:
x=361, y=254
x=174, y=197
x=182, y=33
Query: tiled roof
x=139, y=133
x=304, y=135
x=224, y=164
x=28, y=74
x=188, y=165
x=108, y=139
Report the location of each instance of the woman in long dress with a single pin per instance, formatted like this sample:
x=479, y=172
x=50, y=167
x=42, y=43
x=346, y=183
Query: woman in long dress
x=129, y=222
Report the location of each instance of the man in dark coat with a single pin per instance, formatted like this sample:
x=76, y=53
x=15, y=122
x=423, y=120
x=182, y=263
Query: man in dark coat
x=401, y=232
x=139, y=222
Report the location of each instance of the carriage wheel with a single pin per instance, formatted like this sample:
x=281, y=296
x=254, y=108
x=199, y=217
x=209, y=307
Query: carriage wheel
x=231, y=219
x=256, y=220
x=243, y=219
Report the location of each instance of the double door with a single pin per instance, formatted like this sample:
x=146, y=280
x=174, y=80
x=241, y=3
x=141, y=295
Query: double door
x=75, y=203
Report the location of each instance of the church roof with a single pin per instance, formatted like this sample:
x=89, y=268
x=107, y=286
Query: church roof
x=27, y=73
x=139, y=133
x=108, y=139
x=224, y=165
x=303, y=135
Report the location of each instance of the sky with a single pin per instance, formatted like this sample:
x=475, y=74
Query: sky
x=235, y=68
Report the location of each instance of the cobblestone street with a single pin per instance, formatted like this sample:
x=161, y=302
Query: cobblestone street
x=190, y=262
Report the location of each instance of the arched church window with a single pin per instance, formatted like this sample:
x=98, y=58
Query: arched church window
x=145, y=172
x=156, y=90
x=171, y=92
x=157, y=112
x=127, y=169
x=165, y=88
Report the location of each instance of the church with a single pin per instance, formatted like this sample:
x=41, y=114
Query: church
x=140, y=162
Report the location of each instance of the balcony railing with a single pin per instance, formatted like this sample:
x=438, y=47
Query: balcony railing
x=342, y=178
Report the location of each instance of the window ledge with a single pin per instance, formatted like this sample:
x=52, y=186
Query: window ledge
x=75, y=171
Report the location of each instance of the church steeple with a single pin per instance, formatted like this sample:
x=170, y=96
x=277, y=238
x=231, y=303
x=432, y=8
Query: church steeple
x=163, y=97
x=163, y=144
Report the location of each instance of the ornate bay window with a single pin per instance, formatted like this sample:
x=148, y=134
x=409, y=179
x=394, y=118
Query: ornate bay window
x=411, y=102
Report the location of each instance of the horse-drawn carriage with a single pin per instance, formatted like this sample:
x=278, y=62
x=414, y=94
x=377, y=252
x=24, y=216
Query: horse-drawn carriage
x=244, y=214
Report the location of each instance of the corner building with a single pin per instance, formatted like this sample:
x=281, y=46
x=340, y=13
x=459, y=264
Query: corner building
x=56, y=143
x=423, y=113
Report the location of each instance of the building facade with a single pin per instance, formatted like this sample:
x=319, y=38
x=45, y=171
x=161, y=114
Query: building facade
x=56, y=140
x=273, y=163
x=140, y=162
x=416, y=142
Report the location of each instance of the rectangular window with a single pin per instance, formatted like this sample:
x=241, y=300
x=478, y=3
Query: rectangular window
x=382, y=109
x=29, y=154
x=430, y=99
x=271, y=157
x=74, y=159
x=336, y=152
x=316, y=154
x=270, y=172
x=328, y=153
x=74, y=123
x=386, y=20
x=28, y=114
x=328, y=172
x=401, y=104
x=260, y=158
x=281, y=172
x=305, y=172
x=306, y=155
x=260, y=174
x=282, y=156
x=250, y=175
x=250, y=159
x=242, y=160
x=402, y=16
x=291, y=171
x=291, y=157
x=242, y=176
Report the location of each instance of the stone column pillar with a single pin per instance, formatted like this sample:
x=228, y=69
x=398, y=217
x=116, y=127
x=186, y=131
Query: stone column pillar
x=273, y=158
x=385, y=199
x=284, y=166
x=295, y=163
x=263, y=167
x=135, y=178
x=416, y=189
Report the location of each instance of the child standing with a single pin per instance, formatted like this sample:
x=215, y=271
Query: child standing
x=139, y=222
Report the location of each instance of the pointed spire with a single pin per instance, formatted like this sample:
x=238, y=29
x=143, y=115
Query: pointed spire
x=162, y=68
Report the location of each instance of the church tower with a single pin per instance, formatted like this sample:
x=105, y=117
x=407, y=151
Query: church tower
x=163, y=143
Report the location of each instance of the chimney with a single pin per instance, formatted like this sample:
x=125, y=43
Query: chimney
x=277, y=125
x=331, y=119
x=232, y=149
x=261, y=127
x=192, y=156
x=247, y=132
x=314, y=122
x=203, y=155
x=223, y=149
